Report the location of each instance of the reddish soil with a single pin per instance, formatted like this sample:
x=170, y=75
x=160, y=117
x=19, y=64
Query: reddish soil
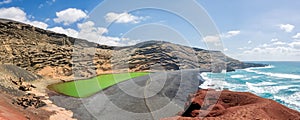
x=9, y=111
x=233, y=106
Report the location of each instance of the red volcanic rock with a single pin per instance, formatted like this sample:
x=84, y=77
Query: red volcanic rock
x=228, y=105
x=8, y=111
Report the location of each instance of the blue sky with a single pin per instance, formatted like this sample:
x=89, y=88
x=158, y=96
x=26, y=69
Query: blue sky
x=250, y=30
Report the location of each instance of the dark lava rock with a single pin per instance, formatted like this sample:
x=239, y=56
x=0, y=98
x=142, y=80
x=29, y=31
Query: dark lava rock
x=29, y=100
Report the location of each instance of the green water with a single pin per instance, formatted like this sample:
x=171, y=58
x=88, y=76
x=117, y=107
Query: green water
x=86, y=88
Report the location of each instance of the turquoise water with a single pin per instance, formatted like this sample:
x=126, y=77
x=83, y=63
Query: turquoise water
x=280, y=81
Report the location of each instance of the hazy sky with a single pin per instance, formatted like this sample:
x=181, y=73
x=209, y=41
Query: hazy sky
x=251, y=30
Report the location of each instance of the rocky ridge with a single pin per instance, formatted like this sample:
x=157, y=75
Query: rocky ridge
x=57, y=55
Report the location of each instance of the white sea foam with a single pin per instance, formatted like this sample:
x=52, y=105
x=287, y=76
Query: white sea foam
x=213, y=83
x=266, y=83
x=255, y=77
x=246, y=78
x=266, y=67
x=251, y=69
x=237, y=76
x=279, y=75
x=293, y=100
x=258, y=88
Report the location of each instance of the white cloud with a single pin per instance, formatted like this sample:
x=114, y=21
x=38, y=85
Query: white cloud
x=17, y=14
x=295, y=44
x=122, y=18
x=5, y=2
x=69, y=16
x=244, y=48
x=274, y=39
x=90, y=32
x=47, y=19
x=48, y=2
x=233, y=33
x=297, y=36
x=13, y=13
x=212, y=39
x=273, y=51
x=41, y=5
x=87, y=30
x=287, y=27
x=278, y=51
x=279, y=43
x=88, y=27
x=249, y=42
x=68, y=31
x=230, y=34
x=38, y=24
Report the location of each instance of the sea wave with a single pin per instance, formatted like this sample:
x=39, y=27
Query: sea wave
x=255, y=77
x=264, y=88
x=265, y=83
x=214, y=83
x=279, y=75
x=292, y=101
x=237, y=76
x=266, y=67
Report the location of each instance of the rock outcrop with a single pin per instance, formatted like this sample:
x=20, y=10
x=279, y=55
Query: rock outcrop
x=29, y=100
x=227, y=105
x=9, y=111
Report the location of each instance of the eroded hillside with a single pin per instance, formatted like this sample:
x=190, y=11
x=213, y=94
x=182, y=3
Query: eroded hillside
x=57, y=55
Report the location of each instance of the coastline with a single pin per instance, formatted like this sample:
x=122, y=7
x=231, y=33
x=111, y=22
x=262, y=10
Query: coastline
x=262, y=81
x=228, y=105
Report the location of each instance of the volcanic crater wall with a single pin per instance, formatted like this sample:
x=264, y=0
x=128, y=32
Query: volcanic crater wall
x=57, y=55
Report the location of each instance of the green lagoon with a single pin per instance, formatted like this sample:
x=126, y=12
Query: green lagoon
x=88, y=87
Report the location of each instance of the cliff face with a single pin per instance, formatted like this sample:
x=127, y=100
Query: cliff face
x=52, y=54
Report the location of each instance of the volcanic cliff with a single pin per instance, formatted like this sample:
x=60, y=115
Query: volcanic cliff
x=57, y=55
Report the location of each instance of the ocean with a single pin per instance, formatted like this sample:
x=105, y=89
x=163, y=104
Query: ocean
x=280, y=81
